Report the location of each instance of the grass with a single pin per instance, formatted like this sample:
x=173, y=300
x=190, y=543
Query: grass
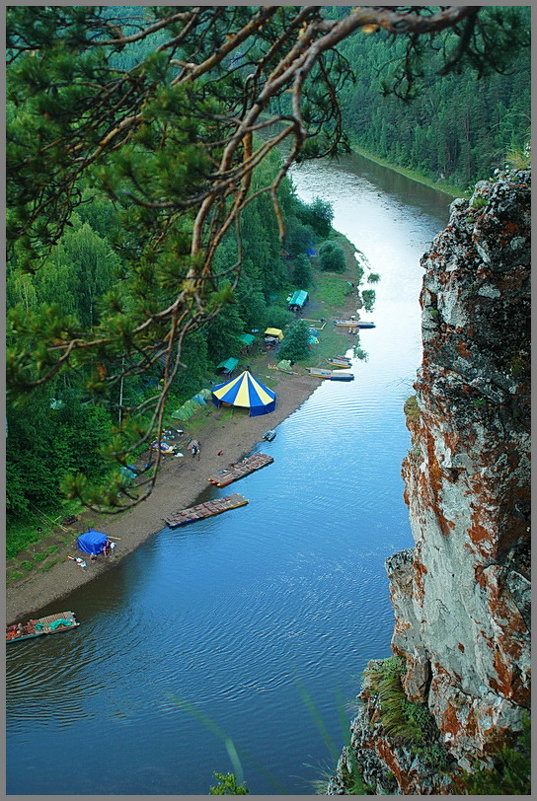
x=407, y=723
x=330, y=289
x=50, y=564
x=36, y=527
x=413, y=175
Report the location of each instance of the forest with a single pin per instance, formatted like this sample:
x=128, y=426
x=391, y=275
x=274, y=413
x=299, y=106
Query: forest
x=151, y=220
x=454, y=129
x=60, y=428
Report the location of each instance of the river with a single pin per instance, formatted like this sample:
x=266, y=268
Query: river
x=249, y=631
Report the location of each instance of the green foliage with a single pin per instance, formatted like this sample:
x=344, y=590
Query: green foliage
x=332, y=258
x=511, y=772
x=519, y=158
x=373, y=278
x=493, y=108
x=360, y=353
x=411, y=408
x=295, y=346
x=298, y=238
x=368, y=297
x=318, y=215
x=113, y=151
x=278, y=317
x=228, y=785
x=302, y=272
x=44, y=444
x=479, y=202
x=408, y=723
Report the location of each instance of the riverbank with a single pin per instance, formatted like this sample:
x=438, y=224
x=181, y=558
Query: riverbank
x=412, y=175
x=180, y=482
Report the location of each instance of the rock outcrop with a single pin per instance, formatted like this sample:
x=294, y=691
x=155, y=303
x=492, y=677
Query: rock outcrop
x=461, y=595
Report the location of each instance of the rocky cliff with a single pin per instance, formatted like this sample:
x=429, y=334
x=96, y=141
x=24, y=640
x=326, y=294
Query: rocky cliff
x=459, y=681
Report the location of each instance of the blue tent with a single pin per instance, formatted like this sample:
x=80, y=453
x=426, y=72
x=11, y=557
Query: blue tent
x=247, y=392
x=92, y=541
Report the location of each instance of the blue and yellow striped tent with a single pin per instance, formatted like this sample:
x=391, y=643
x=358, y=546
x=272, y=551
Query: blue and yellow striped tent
x=246, y=392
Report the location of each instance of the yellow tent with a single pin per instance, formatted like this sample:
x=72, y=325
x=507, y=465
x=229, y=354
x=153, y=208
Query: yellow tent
x=274, y=332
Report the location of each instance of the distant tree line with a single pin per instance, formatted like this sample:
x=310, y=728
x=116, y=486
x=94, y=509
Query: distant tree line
x=456, y=128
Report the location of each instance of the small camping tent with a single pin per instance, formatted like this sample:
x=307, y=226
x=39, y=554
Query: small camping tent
x=297, y=300
x=273, y=333
x=228, y=365
x=246, y=392
x=272, y=336
x=92, y=541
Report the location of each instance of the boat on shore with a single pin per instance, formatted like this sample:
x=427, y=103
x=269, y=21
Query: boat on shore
x=337, y=376
x=51, y=624
x=355, y=323
x=330, y=375
x=341, y=364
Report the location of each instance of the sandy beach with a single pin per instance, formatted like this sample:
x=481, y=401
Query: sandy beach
x=179, y=483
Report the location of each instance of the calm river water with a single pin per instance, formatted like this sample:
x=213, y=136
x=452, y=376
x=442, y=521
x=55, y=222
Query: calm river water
x=252, y=627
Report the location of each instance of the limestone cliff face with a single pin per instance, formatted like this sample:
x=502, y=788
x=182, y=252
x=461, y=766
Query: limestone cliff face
x=461, y=595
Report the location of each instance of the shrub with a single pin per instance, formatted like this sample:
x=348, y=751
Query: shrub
x=278, y=317
x=298, y=237
x=295, y=345
x=228, y=785
x=332, y=258
x=302, y=274
x=368, y=297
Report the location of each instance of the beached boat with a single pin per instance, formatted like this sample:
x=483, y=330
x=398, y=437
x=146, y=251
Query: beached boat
x=341, y=364
x=330, y=375
x=51, y=624
x=336, y=376
x=355, y=323
x=347, y=323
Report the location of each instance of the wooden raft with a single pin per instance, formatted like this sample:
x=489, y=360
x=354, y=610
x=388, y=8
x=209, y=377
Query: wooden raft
x=204, y=510
x=240, y=469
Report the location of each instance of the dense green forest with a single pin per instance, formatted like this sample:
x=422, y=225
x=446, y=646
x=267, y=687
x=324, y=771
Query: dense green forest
x=150, y=220
x=62, y=428
x=456, y=128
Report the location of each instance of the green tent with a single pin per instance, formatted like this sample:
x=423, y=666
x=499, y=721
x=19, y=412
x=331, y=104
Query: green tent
x=247, y=339
x=228, y=365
